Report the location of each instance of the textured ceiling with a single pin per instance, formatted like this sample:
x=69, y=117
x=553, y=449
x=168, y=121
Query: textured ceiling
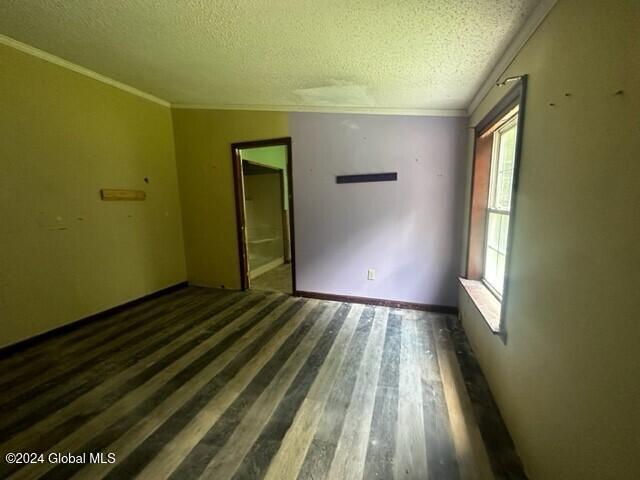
x=395, y=54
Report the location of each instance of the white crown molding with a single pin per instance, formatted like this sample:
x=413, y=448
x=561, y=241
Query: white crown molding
x=324, y=109
x=515, y=45
x=23, y=47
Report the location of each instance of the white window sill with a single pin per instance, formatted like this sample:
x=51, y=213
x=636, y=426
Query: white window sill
x=486, y=302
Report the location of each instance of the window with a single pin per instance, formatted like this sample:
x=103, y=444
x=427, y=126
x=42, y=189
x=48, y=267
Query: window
x=494, y=181
x=499, y=203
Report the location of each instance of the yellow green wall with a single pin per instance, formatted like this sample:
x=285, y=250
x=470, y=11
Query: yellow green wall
x=203, y=141
x=64, y=253
x=568, y=379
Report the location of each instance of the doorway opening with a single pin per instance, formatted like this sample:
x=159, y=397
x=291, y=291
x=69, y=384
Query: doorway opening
x=264, y=212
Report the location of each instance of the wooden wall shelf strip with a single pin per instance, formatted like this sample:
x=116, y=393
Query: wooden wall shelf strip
x=368, y=177
x=111, y=194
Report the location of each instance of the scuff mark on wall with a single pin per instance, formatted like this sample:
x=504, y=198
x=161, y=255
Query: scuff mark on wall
x=352, y=125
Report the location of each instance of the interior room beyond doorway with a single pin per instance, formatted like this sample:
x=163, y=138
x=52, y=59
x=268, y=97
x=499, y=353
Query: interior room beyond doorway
x=266, y=214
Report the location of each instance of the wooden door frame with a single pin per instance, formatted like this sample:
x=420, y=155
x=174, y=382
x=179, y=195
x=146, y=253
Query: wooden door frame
x=240, y=206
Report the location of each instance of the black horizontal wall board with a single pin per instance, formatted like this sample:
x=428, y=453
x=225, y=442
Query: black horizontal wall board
x=368, y=177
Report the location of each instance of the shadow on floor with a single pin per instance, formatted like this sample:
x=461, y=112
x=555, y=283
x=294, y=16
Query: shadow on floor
x=505, y=461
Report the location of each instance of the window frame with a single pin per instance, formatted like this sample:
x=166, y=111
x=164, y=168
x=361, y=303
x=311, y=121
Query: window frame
x=509, y=121
x=513, y=100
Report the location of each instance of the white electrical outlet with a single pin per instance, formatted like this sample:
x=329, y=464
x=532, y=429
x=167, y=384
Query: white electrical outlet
x=371, y=274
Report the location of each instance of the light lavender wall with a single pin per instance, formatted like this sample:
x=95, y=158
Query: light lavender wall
x=409, y=231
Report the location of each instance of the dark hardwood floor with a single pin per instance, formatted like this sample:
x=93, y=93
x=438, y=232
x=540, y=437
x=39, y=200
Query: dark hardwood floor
x=204, y=383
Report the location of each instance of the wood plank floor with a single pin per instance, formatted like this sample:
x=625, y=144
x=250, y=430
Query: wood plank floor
x=278, y=280
x=203, y=383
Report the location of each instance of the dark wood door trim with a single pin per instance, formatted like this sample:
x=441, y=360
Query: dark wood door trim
x=240, y=216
